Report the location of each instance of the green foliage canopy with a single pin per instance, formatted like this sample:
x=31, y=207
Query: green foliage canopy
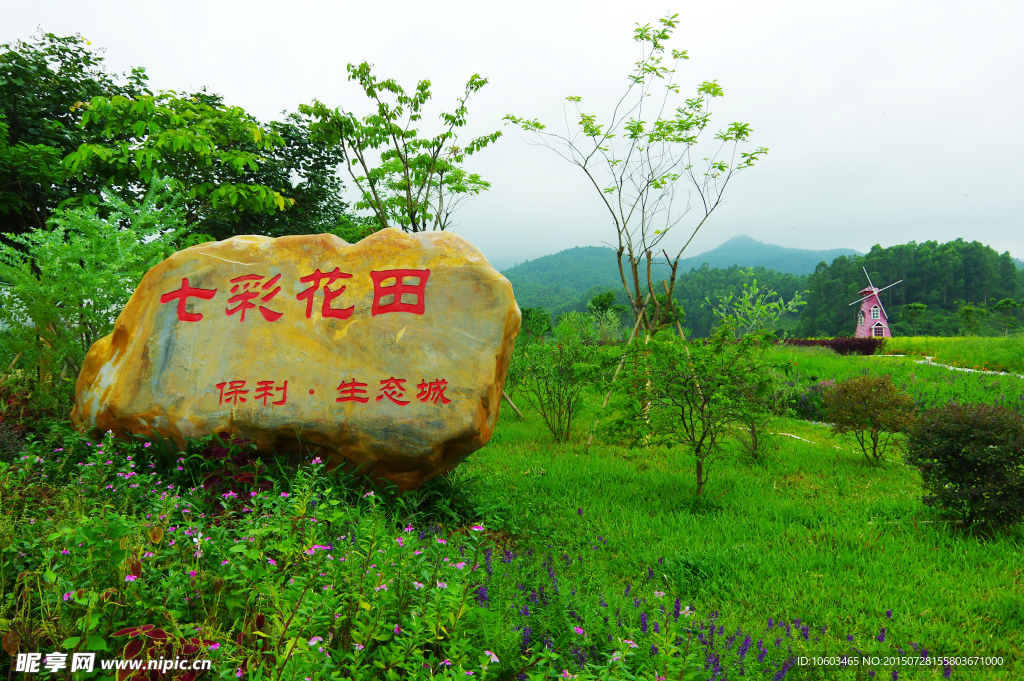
x=418, y=183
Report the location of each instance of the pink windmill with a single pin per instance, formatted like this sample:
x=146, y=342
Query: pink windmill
x=872, y=321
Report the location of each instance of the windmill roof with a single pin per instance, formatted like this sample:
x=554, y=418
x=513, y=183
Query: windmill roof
x=869, y=290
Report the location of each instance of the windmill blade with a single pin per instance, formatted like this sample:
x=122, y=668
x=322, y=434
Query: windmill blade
x=868, y=276
x=889, y=286
x=861, y=300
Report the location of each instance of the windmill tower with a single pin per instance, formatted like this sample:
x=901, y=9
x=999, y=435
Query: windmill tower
x=872, y=321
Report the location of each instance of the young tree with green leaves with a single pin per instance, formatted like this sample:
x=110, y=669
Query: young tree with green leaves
x=1006, y=308
x=756, y=308
x=205, y=149
x=643, y=163
x=694, y=393
x=64, y=285
x=408, y=180
x=912, y=314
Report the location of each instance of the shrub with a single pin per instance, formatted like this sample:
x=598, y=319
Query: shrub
x=553, y=376
x=971, y=458
x=871, y=409
x=842, y=346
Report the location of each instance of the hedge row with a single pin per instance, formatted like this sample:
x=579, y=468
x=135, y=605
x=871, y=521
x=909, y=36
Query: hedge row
x=843, y=346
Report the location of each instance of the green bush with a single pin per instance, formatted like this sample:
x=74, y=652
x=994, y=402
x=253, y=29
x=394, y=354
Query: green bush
x=971, y=458
x=553, y=376
x=64, y=285
x=870, y=408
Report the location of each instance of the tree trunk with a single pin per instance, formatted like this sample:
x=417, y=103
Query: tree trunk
x=700, y=475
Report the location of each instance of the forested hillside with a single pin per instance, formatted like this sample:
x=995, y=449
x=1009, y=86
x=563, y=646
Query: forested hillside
x=567, y=280
x=944, y=277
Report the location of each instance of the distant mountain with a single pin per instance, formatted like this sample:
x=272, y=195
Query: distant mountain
x=583, y=268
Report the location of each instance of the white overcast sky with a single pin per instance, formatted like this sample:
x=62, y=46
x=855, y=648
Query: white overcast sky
x=886, y=121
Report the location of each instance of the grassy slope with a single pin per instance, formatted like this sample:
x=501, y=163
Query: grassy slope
x=812, y=532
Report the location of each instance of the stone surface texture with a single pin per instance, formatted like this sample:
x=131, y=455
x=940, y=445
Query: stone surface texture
x=405, y=383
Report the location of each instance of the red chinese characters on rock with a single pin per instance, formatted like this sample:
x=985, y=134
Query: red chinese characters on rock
x=325, y=309
x=391, y=293
x=234, y=392
x=433, y=391
x=352, y=391
x=393, y=389
x=398, y=290
x=182, y=295
x=266, y=389
x=242, y=286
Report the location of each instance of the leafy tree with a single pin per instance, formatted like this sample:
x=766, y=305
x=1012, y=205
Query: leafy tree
x=694, y=393
x=66, y=284
x=205, y=149
x=912, y=313
x=555, y=375
x=418, y=183
x=536, y=323
x=756, y=308
x=971, y=318
x=638, y=166
x=41, y=81
x=871, y=409
x=604, y=302
x=1006, y=308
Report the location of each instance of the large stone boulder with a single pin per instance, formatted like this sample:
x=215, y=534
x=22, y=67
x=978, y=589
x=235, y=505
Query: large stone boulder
x=389, y=354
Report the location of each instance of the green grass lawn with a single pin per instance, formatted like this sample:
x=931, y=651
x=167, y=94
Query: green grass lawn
x=806, y=551
x=810, y=532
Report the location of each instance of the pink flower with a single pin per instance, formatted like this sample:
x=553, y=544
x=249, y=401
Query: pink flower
x=408, y=528
x=477, y=528
x=447, y=662
x=578, y=630
x=191, y=573
x=316, y=461
x=284, y=495
x=494, y=658
x=147, y=444
x=214, y=646
x=368, y=494
x=65, y=552
x=225, y=562
x=442, y=585
x=130, y=578
x=398, y=629
x=460, y=565
x=358, y=646
x=416, y=552
x=417, y=585
x=68, y=595
x=252, y=494
x=400, y=541
x=272, y=562
x=442, y=541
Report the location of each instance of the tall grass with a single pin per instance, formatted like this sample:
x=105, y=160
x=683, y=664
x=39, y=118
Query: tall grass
x=928, y=384
x=974, y=352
